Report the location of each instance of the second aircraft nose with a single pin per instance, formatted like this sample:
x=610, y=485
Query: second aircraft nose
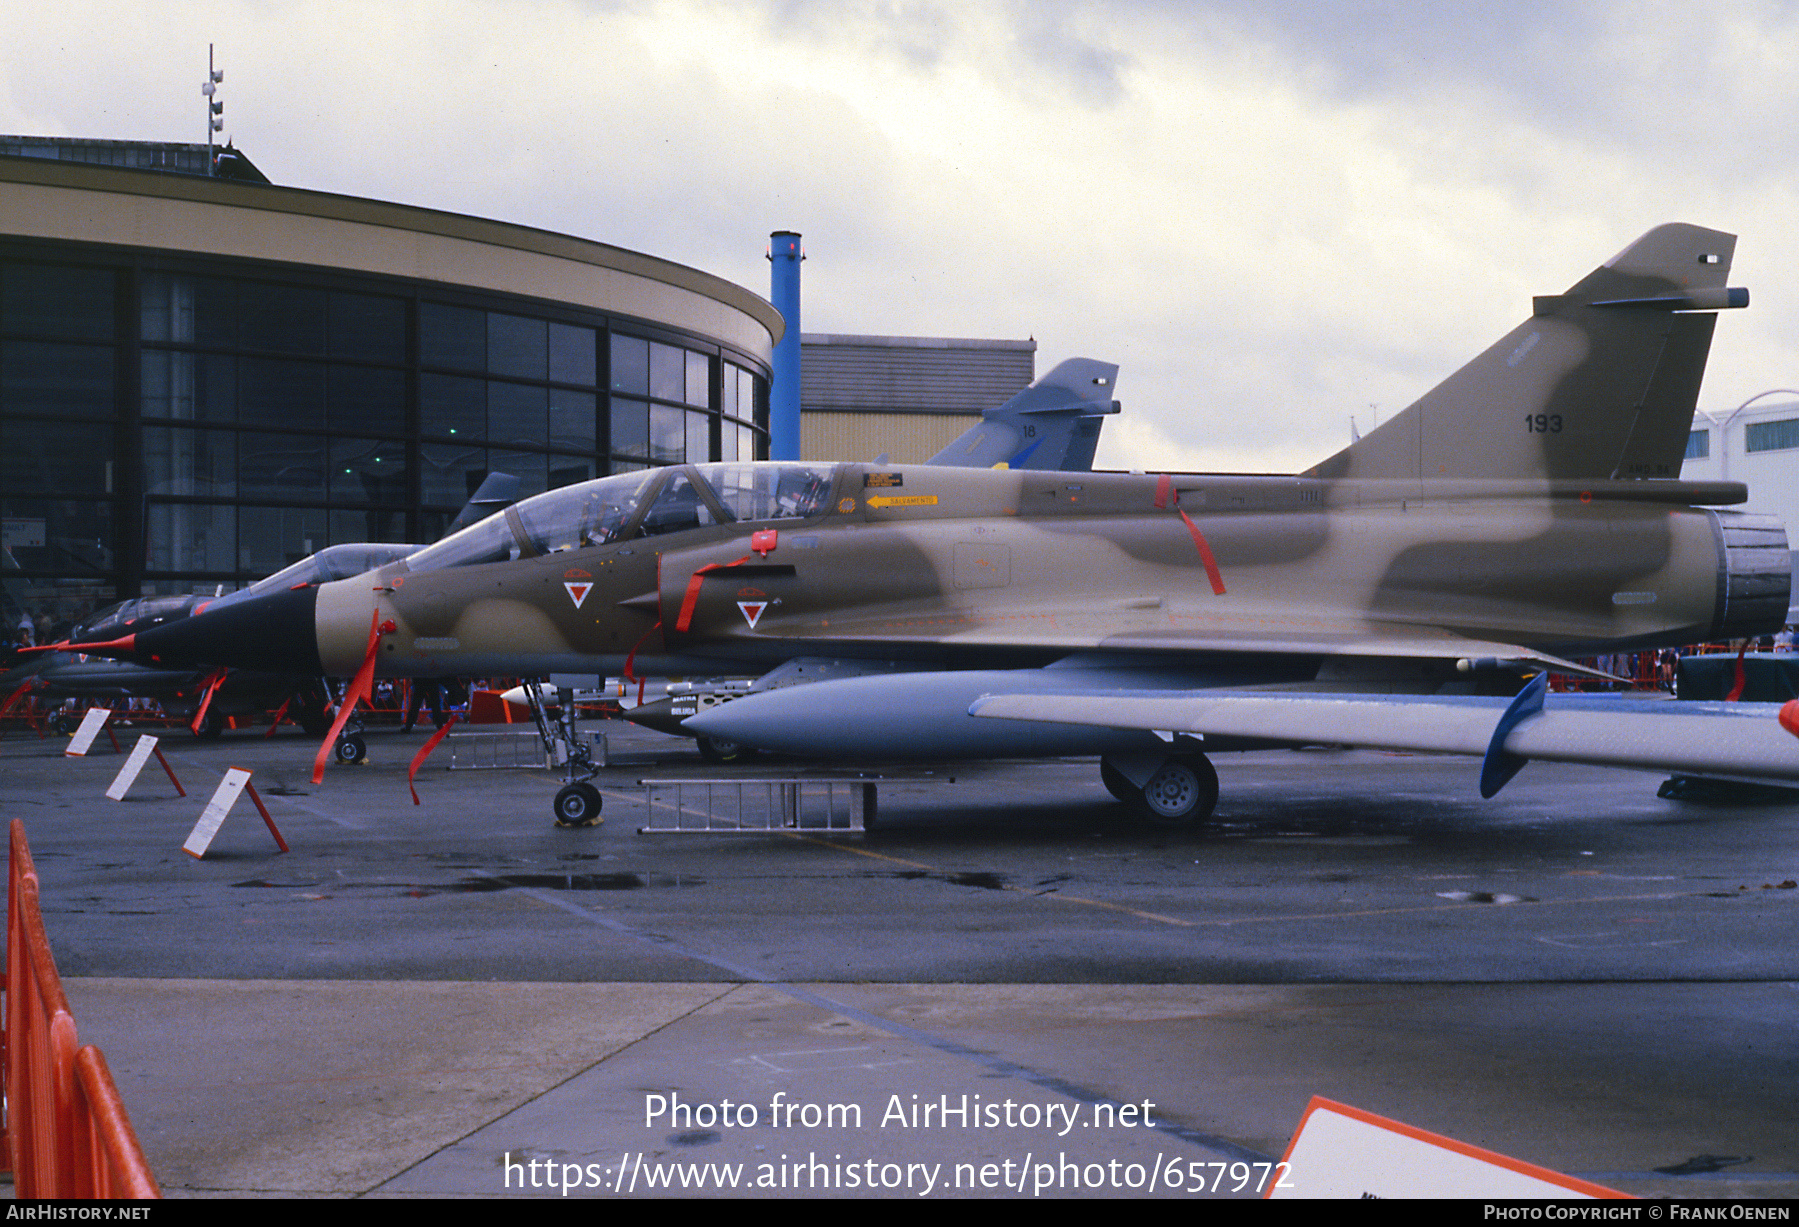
x=272, y=633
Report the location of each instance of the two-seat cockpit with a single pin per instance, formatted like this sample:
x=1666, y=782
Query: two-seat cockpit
x=627, y=506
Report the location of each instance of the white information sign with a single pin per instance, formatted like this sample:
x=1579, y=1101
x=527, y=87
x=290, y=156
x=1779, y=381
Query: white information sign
x=1344, y=1152
x=213, y=816
x=140, y=754
x=91, y=724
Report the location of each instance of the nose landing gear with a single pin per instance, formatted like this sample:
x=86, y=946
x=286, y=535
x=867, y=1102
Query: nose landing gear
x=578, y=804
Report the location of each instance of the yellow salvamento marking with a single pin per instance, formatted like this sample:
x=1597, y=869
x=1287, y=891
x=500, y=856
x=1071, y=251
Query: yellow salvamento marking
x=902, y=500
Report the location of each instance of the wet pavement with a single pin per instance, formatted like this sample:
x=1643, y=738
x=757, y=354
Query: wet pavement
x=430, y=1000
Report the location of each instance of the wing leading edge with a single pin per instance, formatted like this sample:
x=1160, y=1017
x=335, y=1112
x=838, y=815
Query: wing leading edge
x=1737, y=741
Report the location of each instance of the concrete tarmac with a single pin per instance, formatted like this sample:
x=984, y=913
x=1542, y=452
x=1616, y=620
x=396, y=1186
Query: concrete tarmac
x=458, y=999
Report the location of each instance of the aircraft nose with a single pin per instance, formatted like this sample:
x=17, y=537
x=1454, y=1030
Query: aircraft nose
x=272, y=633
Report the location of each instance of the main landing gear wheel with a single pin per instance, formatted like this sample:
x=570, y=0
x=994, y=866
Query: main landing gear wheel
x=718, y=750
x=350, y=748
x=1183, y=790
x=1118, y=783
x=210, y=727
x=578, y=805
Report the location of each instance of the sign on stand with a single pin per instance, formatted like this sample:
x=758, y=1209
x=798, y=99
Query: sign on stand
x=140, y=754
x=234, y=785
x=91, y=724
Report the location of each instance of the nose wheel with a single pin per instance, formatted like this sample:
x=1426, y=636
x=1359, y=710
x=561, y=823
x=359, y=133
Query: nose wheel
x=578, y=805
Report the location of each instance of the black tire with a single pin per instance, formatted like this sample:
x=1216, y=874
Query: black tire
x=350, y=748
x=578, y=805
x=211, y=727
x=718, y=750
x=1119, y=784
x=1183, y=790
x=62, y=726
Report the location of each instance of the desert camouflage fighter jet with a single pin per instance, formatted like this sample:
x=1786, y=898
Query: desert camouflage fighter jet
x=1527, y=510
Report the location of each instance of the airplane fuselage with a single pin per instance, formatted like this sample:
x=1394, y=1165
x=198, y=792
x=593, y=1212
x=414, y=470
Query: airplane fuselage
x=971, y=567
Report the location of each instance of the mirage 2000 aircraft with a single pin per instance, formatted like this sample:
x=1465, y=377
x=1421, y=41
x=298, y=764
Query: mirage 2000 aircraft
x=1526, y=510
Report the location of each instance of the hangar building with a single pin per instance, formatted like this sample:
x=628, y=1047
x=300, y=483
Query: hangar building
x=202, y=379
x=908, y=397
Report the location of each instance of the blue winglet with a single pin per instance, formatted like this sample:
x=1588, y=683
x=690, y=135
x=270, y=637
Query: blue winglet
x=1497, y=769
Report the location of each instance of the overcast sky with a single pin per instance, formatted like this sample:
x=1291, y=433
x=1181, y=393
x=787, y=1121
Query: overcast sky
x=1272, y=214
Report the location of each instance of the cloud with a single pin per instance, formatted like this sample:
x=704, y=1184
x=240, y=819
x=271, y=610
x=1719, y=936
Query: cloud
x=1272, y=214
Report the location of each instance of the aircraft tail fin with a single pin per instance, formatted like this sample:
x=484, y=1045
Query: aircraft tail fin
x=1600, y=382
x=496, y=492
x=1053, y=424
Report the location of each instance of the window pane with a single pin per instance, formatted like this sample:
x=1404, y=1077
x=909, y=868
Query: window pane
x=365, y=399
x=189, y=387
x=452, y=407
x=281, y=394
x=631, y=428
x=566, y=471
x=365, y=471
x=531, y=469
x=572, y=354
x=450, y=472
x=281, y=466
x=572, y=420
x=668, y=434
x=668, y=372
x=61, y=535
x=699, y=438
x=50, y=300
x=65, y=458
x=699, y=380
x=517, y=414
x=67, y=380
x=286, y=319
x=517, y=346
x=191, y=538
x=728, y=389
x=180, y=461
x=269, y=538
x=453, y=337
x=189, y=310
x=630, y=365
x=364, y=326
x=352, y=526
x=1771, y=436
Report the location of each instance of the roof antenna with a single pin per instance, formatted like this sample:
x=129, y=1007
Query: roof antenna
x=215, y=107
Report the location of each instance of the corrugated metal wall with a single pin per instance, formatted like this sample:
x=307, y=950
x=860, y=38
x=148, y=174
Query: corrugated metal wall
x=904, y=375
x=906, y=438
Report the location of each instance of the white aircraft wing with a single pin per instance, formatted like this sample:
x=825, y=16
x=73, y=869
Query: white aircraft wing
x=1738, y=741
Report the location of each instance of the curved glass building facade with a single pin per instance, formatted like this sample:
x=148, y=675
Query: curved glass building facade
x=260, y=372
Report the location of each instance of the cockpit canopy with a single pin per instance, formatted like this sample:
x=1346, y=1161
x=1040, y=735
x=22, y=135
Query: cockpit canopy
x=331, y=563
x=626, y=506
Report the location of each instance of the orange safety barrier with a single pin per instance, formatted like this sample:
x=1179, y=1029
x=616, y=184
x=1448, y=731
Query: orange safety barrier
x=67, y=1134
